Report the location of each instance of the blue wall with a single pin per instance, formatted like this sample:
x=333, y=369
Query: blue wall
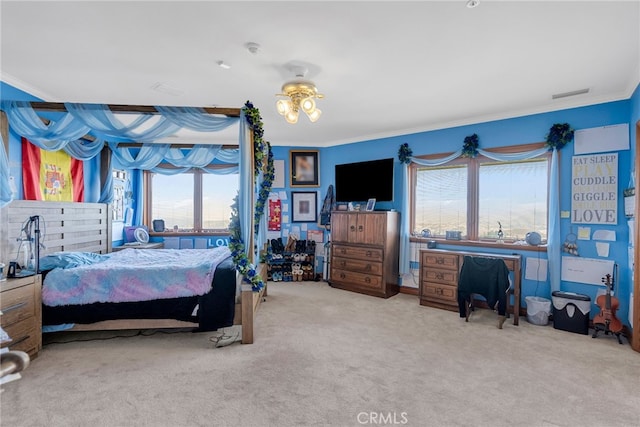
x=515, y=131
x=521, y=130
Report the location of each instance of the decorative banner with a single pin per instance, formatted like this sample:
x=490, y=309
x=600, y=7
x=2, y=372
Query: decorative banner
x=594, y=189
x=51, y=175
x=275, y=215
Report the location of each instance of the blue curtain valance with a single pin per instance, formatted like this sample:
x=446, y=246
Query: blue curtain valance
x=68, y=130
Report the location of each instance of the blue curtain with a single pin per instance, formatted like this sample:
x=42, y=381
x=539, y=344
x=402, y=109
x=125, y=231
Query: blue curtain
x=5, y=188
x=245, y=198
x=66, y=132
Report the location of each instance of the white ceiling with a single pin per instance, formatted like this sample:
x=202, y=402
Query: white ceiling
x=385, y=68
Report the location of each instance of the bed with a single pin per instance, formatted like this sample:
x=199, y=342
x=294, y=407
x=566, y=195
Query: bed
x=85, y=228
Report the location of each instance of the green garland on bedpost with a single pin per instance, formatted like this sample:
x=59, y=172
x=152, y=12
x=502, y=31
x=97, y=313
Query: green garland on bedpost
x=236, y=244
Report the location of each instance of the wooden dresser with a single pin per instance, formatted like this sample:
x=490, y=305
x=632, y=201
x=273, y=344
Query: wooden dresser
x=364, y=252
x=20, y=302
x=439, y=270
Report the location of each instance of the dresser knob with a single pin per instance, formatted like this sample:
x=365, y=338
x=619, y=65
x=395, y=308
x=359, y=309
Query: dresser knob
x=367, y=279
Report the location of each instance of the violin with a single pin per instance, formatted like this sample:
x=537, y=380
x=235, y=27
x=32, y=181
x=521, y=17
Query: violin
x=608, y=306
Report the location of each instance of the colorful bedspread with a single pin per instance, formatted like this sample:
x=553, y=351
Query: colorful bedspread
x=134, y=275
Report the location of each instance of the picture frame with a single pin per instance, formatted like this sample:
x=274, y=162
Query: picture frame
x=304, y=206
x=304, y=168
x=371, y=204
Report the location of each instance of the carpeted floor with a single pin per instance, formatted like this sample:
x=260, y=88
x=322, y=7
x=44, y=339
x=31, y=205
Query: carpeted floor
x=327, y=357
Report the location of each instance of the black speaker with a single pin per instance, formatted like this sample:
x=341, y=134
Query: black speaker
x=158, y=225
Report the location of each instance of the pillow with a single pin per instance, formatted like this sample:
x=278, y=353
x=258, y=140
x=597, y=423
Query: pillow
x=70, y=259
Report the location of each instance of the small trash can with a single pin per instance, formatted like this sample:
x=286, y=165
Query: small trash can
x=571, y=312
x=538, y=310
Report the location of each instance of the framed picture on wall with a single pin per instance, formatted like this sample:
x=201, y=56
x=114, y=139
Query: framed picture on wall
x=304, y=168
x=304, y=206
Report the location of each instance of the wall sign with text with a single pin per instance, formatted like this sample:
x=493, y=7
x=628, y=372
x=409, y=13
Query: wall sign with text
x=594, y=189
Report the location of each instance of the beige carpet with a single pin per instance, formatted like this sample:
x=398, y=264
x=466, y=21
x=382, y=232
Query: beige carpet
x=327, y=357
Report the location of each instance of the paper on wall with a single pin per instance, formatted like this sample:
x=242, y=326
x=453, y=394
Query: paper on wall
x=599, y=139
x=316, y=235
x=603, y=249
x=536, y=269
x=609, y=235
x=584, y=233
x=273, y=234
x=589, y=271
x=278, y=174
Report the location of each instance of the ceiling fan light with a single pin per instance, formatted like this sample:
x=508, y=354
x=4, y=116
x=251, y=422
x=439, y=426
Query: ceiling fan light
x=315, y=115
x=283, y=106
x=308, y=105
x=291, y=117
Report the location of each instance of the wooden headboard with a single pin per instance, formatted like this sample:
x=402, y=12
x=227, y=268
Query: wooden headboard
x=64, y=226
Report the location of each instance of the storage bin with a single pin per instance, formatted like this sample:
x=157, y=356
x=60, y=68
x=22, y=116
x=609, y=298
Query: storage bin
x=571, y=312
x=538, y=310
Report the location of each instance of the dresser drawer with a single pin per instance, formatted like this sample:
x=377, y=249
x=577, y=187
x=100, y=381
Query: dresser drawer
x=17, y=304
x=447, y=277
x=362, y=266
x=359, y=279
x=369, y=254
x=436, y=291
x=448, y=261
x=23, y=336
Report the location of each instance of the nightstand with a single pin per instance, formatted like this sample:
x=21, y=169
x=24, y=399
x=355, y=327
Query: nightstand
x=21, y=305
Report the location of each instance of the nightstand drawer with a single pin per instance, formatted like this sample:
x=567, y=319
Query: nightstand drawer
x=23, y=336
x=17, y=304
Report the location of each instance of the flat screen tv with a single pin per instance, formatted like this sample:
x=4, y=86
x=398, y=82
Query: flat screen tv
x=359, y=182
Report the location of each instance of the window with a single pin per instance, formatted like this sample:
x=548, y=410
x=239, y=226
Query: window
x=480, y=196
x=441, y=199
x=513, y=195
x=191, y=202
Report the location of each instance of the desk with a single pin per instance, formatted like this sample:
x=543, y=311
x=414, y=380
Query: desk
x=439, y=273
x=150, y=245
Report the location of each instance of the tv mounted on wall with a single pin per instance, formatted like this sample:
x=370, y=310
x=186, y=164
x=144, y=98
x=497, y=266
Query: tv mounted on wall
x=361, y=181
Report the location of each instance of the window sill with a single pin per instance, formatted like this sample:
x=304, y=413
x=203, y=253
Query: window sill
x=224, y=233
x=481, y=244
